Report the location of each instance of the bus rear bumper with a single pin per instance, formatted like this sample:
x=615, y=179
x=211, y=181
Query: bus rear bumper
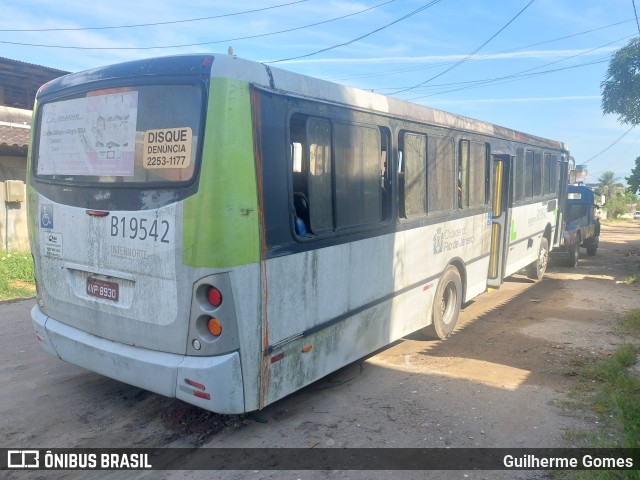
x=212, y=383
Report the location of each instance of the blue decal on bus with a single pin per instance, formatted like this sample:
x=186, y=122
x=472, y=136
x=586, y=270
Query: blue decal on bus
x=46, y=215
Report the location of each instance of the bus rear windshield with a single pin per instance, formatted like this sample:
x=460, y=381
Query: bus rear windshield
x=142, y=134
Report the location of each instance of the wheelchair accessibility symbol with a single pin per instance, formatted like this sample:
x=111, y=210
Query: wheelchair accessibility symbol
x=46, y=215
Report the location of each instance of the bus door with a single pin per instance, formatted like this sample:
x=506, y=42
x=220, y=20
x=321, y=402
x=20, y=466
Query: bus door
x=500, y=220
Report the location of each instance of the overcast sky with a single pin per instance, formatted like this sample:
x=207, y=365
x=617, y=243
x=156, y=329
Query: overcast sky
x=531, y=66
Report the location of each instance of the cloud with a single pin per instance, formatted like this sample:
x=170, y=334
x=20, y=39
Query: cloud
x=514, y=100
x=453, y=58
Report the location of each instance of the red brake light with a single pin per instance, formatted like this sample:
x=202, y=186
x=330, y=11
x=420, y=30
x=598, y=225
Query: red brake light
x=214, y=296
x=97, y=213
x=195, y=384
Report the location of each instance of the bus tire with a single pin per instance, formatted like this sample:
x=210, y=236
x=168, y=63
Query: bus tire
x=536, y=269
x=574, y=253
x=446, y=305
x=593, y=246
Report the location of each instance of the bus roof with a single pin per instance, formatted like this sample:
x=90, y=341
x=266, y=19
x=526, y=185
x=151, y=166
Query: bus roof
x=278, y=80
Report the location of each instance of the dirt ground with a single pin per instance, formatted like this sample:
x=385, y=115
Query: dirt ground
x=501, y=380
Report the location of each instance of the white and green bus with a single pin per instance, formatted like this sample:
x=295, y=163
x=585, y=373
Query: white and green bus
x=224, y=232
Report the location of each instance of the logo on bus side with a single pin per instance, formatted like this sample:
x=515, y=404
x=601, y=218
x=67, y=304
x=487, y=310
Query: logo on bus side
x=438, y=241
x=450, y=239
x=46, y=215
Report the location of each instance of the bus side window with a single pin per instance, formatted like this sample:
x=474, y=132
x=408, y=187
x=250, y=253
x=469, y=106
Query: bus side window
x=537, y=174
x=519, y=176
x=319, y=176
x=528, y=174
x=473, y=160
x=550, y=174
x=412, y=167
x=464, y=166
x=385, y=178
x=441, y=181
x=299, y=165
x=350, y=190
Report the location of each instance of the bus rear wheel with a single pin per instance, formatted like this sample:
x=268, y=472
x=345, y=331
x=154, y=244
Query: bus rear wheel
x=446, y=305
x=536, y=269
x=592, y=247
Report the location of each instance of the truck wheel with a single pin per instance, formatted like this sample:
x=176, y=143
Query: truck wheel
x=536, y=269
x=593, y=245
x=446, y=305
x=574, y=253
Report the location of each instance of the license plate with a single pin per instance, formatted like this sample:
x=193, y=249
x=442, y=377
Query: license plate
x=102, y=289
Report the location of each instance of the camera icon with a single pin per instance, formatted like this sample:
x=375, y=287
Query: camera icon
x=23, y=459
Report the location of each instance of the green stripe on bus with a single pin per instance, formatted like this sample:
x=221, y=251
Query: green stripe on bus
x=221, y=222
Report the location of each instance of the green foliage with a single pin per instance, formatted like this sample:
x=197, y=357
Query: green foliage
x=630, y=323
x=633, y=180
x=607, y=388
x=618, y=393
x=615, y=205
x=607, y=183
x=609, y=391
x=16, y=275
x=621, y=87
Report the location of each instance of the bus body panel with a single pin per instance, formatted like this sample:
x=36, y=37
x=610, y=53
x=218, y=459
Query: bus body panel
x=159, y=372
x=142, y=264
x=528, y=225
x=371, y=292
x=221, y=221
x=330, y=282
x=138, y=281
x=137, y=309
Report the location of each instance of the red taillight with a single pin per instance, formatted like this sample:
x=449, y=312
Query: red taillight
x=194, y=384
x=214, y=296
x=97, y=213
x=200, y=392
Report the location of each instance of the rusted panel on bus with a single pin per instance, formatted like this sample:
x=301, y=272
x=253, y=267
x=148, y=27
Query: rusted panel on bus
x=257, y=148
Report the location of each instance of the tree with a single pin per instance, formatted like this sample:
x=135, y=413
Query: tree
x=607, y=183
x=621, y=87
x=615, y=205
x=634, y=179
x=630, y=197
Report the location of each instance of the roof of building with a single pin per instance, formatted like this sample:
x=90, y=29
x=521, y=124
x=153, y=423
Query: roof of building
x=19, y=81
x=14, y=139
x=14, y=136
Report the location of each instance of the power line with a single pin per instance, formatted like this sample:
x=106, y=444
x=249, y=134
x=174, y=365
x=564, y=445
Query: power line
x=388, y=72
x=151, y=24
x=511, y=78
x=522, y=74
x=468, y=56
x=619, y=138
x=415, y=12
x=636, y=13
x=74, y=47
x=469, y=84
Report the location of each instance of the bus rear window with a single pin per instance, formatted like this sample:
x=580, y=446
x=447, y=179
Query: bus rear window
x=141, y=134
